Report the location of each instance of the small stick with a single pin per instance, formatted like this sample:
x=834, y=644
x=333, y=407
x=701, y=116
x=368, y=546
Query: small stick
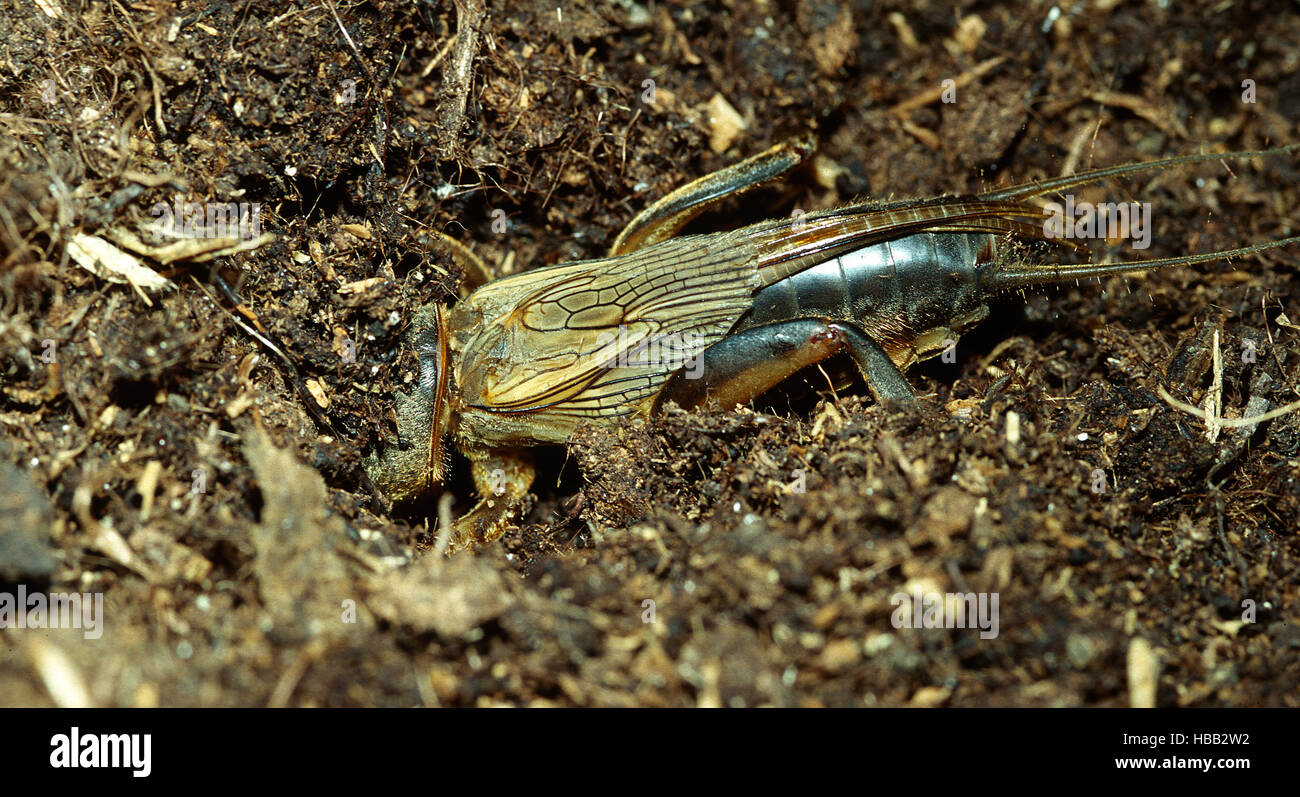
x=460, y=71
x=928, y=96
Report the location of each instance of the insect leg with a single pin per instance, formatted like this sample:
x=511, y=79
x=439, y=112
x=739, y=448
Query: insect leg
x=741, y=367
x=664, y=217
x=502, y=477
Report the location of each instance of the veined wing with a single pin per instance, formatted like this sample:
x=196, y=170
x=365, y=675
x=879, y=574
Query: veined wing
x=600, y=336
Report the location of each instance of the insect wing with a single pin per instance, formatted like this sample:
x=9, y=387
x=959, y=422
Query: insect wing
x=601, y=336
x=792, y=245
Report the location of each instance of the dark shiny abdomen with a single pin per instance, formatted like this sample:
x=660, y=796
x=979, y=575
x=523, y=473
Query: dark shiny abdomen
x=915, y=283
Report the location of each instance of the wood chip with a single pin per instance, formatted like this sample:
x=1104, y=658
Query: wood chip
x=906, y=37
x=360, y=286
x=969, y=32
x=317, y=390
x=725, y=123
x=1167, y=123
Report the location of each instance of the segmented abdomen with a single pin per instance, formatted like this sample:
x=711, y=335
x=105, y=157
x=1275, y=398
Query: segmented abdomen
x=894, y=290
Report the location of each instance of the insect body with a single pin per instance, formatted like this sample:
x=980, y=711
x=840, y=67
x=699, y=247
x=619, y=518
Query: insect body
x=717, y=319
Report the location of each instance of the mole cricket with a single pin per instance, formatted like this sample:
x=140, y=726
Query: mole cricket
x=716, y=319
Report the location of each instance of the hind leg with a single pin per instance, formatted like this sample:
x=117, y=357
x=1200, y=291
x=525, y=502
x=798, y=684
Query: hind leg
x=741, y=367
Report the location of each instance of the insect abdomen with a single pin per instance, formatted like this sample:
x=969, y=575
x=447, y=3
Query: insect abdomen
x=895, y=290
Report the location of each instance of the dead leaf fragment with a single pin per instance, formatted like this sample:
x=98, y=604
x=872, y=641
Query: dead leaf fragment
x=301, y=577
x=106, y=261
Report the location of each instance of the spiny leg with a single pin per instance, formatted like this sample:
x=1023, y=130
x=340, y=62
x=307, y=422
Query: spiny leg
x=664, y=217
x=742, y=366
x=502, y=477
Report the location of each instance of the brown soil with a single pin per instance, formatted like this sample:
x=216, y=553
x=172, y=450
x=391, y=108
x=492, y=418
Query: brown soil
x=285, y=581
